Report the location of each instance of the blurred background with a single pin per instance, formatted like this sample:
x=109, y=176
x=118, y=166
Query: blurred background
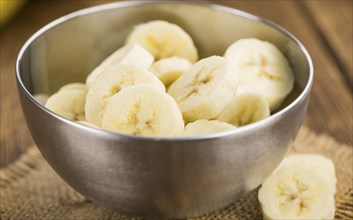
x=324, y=27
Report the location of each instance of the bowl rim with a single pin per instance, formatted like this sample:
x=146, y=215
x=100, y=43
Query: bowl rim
x=128, y=4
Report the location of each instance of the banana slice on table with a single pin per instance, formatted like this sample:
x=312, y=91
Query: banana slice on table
x=143, y=110
x=323, y=164
x=261, y=65
x=110, y=82
x=164, y=39
x=133, y=55
x=203, y=126
x=170, y=69
x=75, y=86
x=246, y=107
x=297, y=192
x=68, y=103
x=204, y=90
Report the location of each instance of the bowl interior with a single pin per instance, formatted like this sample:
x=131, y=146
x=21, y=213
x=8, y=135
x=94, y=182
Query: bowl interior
x=69, y=48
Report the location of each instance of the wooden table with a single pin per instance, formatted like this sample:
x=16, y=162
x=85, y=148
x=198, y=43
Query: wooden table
x=324, y=27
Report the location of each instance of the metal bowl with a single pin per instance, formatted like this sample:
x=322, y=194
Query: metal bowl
x=151, y=176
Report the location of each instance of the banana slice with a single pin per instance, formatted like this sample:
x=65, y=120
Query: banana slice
x=41, y=98
x=110, y=82
x=296, y=192
x=164, y=39
x=323, y=164
x=170, y=69
x=87, y=123
x=68, y=103
x=204, y=90
x=74, y=86
x=262, y=66
x=133, y=55
x=246, y=107
x=143, y=110
x=203, y=126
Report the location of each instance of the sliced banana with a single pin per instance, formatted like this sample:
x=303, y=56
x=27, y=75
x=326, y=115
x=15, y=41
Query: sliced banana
x=204, y=90
x=110, y=82
x=41, y=98
x=170, y=69
x=75, y=86
x=87, y=123
x=164, y=39
x=323, y=164
x=202, y=126
x=246, y=107
x=262, y=66
x=296, y=192
x=143, y=110
x=133, y=55
x=68, y=103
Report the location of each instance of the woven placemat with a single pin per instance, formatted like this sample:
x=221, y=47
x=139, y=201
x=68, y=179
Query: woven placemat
x=30, y=189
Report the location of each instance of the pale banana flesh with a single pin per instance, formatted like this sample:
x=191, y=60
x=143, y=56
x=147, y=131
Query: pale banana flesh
x=132, y=55
x=112, y=81
x=299, y=189
x=170, y=69
x=143, y=110
x=87, y=123
x=262, y=66
x=246, y=107
x=202, y=127
x=323, y=164
x=41, y=98
x=204, y=90
x=68, y=103
x=164, y=39
x=75, y=86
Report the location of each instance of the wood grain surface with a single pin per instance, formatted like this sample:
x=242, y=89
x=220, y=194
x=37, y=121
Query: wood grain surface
x=335, y=32
x=324, y=27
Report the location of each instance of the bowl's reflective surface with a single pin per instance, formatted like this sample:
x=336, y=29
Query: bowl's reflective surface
x=150, y=176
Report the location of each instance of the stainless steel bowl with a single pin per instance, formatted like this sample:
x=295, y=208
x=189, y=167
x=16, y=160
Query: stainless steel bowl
x=145, y=176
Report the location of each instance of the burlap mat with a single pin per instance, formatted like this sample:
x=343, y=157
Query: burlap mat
x=30, y=189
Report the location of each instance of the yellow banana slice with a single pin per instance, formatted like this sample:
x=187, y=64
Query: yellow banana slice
x=323, y=164
x=170, y=69
x=75, y=86
x=68, y=103
x=202, y=126
x=262, y=66
x=41, y=98
x=164, y=39
x=204, y=90
x=131, y=55
x=246, y=107
x=110, y=82
x=297, y=192
x=87, y=123
x=143, y=110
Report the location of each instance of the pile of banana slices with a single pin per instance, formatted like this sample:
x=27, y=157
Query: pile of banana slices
x=155, y=84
